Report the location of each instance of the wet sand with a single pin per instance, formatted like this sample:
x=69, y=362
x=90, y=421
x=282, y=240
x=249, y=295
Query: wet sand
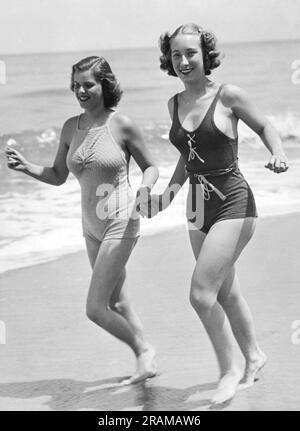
x=56, y=359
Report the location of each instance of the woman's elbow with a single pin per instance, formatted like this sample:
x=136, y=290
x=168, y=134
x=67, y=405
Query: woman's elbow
x=59, y=177
x=150, y=167
x=155, y=171
x=59, y=182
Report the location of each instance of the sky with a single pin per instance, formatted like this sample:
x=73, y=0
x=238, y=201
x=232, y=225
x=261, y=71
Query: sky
x=28, y=26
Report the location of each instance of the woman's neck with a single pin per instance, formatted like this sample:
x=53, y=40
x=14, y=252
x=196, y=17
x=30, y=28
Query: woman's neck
x=96, y=114
x=95, y=117
x=199, y=89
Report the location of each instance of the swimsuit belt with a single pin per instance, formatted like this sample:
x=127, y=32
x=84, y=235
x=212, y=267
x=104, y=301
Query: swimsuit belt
x=208, y=188
x=214, y=173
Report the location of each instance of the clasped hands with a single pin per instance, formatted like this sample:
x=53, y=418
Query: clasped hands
x=147, y=205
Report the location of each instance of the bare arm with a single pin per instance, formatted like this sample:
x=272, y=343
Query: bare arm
x=242, y=106
x=177, y=180
x=179, y=176
x=136, y=146
x=56, y=174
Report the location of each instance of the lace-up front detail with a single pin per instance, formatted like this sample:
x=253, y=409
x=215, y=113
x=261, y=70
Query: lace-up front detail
x=193, y=153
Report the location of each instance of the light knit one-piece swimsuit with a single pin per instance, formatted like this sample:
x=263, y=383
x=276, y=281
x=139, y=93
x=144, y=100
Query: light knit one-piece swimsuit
x=107, y=199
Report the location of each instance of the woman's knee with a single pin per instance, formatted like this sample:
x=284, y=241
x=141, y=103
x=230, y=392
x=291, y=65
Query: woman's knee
x=202, y=295
x=97, y=314
x=230, y=300
x=115, y=306
x=119, y=306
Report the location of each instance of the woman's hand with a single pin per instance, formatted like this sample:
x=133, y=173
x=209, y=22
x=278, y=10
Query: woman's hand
x=278, y=163
x=15, y=160
x=143, y=200
x=151, y=207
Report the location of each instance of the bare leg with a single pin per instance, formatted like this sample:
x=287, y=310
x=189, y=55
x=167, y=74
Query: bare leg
x=107, y=270
x=221, y=331
x=240, y=317
x=119, y=301
x=217, y=253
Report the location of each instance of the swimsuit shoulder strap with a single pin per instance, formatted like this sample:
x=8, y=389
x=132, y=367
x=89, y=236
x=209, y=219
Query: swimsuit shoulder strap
x=175, y=119
x=78, y=120
x=116, y=144
x=110, y=117
x=211, y=109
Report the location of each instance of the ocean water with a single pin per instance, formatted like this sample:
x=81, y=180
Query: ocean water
x=39, y=222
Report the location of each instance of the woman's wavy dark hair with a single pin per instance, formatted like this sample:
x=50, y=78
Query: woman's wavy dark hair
x=102, y=73
x=208, y=43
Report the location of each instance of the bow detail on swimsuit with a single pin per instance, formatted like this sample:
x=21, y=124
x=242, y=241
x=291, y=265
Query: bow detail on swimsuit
x=85, y=154
x=83, y=158
x=193, y=152
x=208, y=188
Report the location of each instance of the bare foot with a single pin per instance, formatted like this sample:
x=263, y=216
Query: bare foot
x=146, y=367
x=227, y=387
x=251, y=370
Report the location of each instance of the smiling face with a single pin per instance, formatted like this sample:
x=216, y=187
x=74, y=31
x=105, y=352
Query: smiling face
x=187, y=57
x=87, y=90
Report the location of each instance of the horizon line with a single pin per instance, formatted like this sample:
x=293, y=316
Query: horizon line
x=244, y=42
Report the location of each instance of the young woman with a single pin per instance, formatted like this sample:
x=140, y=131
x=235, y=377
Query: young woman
x=204, y=130
x=96, y=147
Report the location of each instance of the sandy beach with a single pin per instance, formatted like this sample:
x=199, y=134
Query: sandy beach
x=56, y=359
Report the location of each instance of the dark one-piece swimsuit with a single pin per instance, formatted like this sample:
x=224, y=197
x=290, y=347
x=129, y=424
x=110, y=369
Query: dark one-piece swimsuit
x=218, y=190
